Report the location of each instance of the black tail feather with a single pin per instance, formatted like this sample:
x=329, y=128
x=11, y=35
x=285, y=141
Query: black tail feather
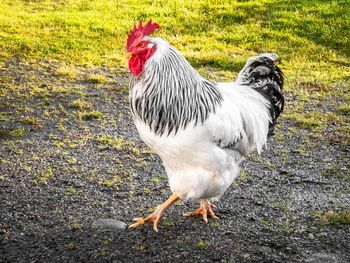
x=261, y=74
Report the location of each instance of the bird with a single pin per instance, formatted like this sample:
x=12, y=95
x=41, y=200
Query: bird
x=200, y=129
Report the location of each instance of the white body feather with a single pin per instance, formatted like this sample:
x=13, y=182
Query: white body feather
x=197, y=167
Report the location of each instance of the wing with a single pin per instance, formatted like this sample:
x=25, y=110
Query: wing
x=242, y=121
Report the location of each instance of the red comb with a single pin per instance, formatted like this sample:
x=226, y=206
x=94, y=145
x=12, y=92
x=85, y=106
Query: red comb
x=140, y=32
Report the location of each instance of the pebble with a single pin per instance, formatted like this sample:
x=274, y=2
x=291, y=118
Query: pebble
x=78, y=183
x=266, y=250
x=321, y=258
x=108, y=225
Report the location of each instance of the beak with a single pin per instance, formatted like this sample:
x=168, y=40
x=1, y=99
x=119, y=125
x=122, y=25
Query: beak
x=129, y=55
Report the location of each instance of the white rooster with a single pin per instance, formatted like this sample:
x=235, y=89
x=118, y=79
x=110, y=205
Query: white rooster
x=201, y=130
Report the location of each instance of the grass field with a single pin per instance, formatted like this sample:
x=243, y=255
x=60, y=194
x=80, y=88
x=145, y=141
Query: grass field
x=311, y=37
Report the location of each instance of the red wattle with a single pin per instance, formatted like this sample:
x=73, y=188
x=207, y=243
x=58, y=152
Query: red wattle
x=137, y=62
x=136, y=65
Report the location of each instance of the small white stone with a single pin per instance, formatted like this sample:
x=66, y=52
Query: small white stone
x=108, y=224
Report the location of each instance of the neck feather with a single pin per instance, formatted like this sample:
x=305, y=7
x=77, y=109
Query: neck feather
x=169, y=93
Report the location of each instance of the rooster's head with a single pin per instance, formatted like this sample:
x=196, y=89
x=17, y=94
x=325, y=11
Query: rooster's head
x=139, y=48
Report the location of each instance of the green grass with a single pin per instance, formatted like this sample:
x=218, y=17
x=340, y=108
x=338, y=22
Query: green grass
x=72, y=245
x=201, y=244
x=88, y=116
x=333, y=218
x=95, y=78
x=344, y=109
x=79, y=104
x=29, y=120
x=312, y=37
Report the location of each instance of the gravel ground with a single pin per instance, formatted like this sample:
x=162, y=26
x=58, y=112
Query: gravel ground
x=71, y=157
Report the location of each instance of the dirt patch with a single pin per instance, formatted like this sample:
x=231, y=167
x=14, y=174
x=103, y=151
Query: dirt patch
x=70, y=156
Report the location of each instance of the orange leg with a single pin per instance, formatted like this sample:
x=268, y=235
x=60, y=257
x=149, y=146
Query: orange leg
x=156, y=215
x=205, y=209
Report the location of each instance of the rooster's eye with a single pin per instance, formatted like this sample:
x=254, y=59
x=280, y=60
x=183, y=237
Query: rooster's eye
x=142, y=44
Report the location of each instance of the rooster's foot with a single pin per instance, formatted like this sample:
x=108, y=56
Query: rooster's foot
x=143, y=220
x=205, y=210
x=156, y=215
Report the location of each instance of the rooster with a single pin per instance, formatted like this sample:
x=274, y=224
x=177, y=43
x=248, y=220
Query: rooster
x=201, y=130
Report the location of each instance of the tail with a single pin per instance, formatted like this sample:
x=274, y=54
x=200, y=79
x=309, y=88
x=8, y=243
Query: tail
x=261, y=74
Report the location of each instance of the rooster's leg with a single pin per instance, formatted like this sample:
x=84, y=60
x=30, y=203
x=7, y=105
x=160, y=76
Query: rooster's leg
x=205, y=209
x=157, y=214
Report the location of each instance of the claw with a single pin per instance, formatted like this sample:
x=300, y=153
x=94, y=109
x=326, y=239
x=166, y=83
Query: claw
x=155, y=224
x=139, y=221
x=204, y=216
